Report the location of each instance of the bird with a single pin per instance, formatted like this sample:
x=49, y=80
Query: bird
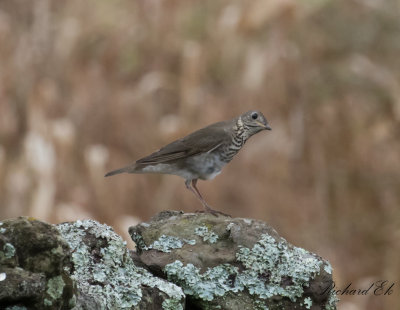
x=201, y=154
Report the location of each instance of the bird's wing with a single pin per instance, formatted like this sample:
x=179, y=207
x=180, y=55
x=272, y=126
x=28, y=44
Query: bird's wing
x=204, y=140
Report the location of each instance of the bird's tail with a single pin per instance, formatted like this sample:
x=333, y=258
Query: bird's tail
x=127, y=169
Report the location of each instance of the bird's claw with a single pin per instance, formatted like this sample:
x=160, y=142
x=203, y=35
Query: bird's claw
x=213, y=212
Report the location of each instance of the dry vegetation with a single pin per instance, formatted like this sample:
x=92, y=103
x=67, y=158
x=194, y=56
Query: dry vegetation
x=88, y=86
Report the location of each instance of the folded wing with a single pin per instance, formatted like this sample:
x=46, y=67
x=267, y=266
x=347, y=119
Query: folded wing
x=204, y=140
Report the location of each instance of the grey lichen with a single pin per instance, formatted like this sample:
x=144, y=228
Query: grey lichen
x=215, y=281
x=307, y=302
x=139, y=241
x=328, y=268
x=267, y=264
x=280, y=262
x=260, y=305
x=110, y=275
x=332, y=301
x=167, y=243
x=164, y=243
x=172, y=304
x=8, y=250
x=207, y=235
x=229, y=226
x=248, y=221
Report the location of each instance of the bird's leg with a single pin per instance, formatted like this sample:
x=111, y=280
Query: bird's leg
x=192, y=187
x=196, y=193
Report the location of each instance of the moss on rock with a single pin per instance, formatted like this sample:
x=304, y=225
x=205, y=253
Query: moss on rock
x=32, y=256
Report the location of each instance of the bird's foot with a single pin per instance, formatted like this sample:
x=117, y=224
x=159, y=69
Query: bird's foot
x=207, y=209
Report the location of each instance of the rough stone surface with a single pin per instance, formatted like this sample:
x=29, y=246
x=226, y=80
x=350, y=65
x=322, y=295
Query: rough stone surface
x=226, y=263
x=80, y=265
x=32, y=257
x=218, y=262
x=107, y=277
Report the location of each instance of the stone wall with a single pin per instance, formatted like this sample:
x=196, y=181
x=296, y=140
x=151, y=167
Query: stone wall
x=182, y=261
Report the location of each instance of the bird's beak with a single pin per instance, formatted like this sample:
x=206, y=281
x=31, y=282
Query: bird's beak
x=265, y=126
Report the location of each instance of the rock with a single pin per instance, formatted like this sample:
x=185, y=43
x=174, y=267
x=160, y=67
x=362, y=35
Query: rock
x=32, y=257
x=107, y=277
x=80, y=265
x=226, y=263
x=218, y=262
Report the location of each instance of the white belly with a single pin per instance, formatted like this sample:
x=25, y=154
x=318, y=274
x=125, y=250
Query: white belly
x=169, y=169
x=205, y=167
x=213, y=175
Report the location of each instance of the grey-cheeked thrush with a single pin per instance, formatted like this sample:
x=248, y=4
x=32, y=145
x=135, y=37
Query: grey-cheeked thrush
x=203, y=153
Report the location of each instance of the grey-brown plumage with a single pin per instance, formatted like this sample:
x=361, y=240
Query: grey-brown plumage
x=203, y=153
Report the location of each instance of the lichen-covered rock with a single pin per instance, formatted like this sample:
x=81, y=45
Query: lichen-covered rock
x=107, y=277
x=32, y=257
x=225, y=263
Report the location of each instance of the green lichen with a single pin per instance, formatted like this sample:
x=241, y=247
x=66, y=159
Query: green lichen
x=16, y=308
x=267, y=264
x=207, y=235
x=109, y=276
x=55, y=287
x=8, y=250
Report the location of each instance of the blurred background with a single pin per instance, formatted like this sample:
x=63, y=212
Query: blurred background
x=90, y=86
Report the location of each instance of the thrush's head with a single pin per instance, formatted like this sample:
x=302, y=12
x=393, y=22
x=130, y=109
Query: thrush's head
x=254, y=121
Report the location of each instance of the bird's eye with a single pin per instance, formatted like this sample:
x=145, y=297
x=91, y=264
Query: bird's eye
x=254, y=115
